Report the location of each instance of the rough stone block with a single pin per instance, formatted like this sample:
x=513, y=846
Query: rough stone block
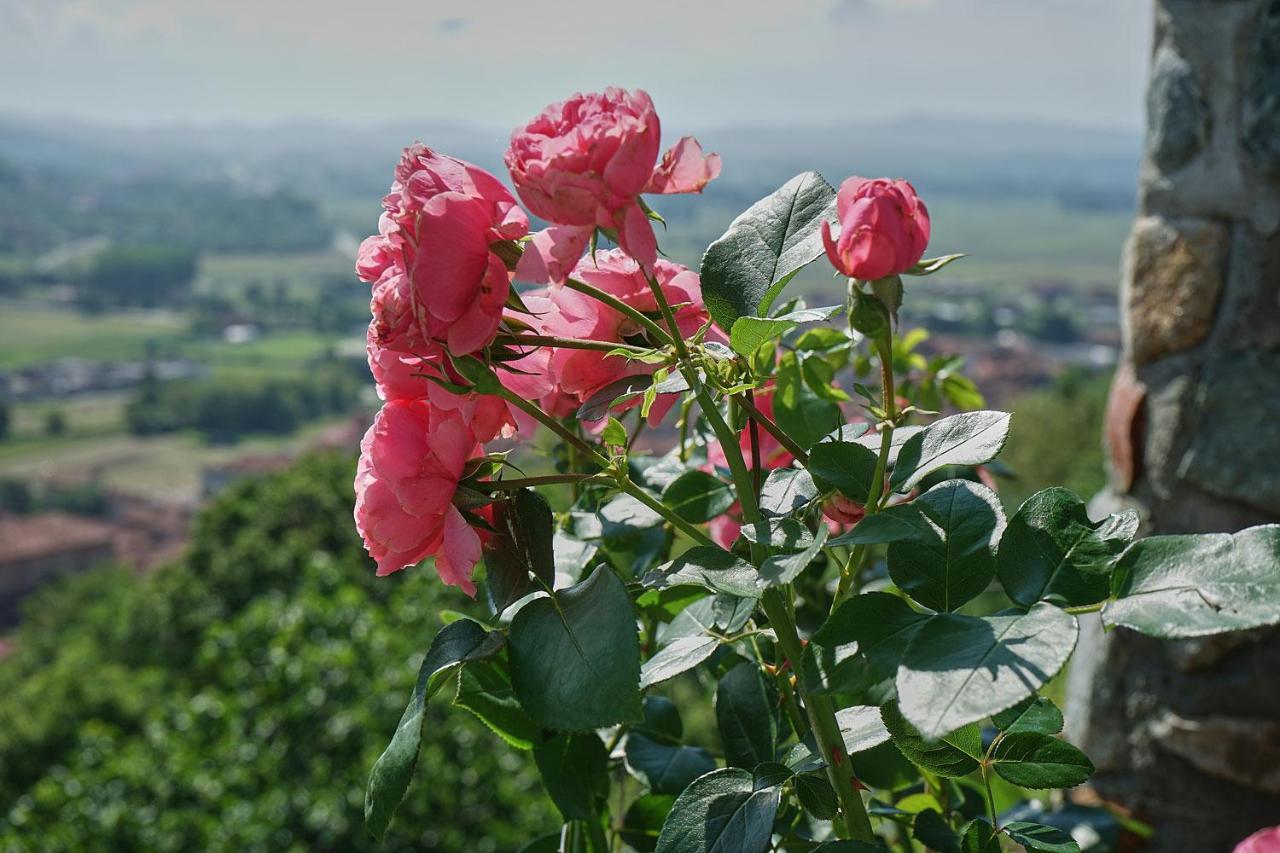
x=1177, y=116
x=1173, y=276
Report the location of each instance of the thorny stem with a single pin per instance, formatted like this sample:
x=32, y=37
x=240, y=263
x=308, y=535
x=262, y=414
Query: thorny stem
x=568, y=343
x=621, y=307
x=522, y=482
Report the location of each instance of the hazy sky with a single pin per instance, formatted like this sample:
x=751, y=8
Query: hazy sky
x=704, y=61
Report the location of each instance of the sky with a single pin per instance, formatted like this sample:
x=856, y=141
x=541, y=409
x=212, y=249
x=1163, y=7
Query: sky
x=491, y=62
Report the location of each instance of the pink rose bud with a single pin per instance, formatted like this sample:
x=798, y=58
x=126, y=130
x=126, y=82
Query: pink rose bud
x=884, y=229
x=434, y=276
x=842, y=510
x=583, y=163
x=411, y=460
x=1262, y=841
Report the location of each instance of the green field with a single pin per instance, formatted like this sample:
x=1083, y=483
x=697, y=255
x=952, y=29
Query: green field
x=32, y=332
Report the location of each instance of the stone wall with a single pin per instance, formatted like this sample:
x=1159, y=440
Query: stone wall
x=1188, y=734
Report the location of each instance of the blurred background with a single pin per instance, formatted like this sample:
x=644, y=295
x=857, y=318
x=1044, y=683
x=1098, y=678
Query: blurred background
x=194, y=653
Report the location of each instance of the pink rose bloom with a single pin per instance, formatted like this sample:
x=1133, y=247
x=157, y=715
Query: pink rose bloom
x=842, y=510
x=583, y=163
x=581, y=373
x=410, y=462
x=1262, y=841
x=433, y=273
x=884, y=229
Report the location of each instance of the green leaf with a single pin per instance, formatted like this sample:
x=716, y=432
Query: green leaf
x=847, y=847
x=721, y=811
x=682, y=655
x=783, y=534
x=643, y=821
x=575, y=772
x=932, y=265
x=953, y=755
x=697, y=496
x=947, y=569
x=575, y=657
x=958, y=669
x=747, y=716
x=1036, y=760
x=1040, y=839
x=1052, y=551
x=817, y=795
x=861, y=728
x=771, y=773
x=900, y=523
x=881, y=625
x=931, y=830
x=845, y=466
x=784, y=568
x=711, y=567
x=599, y=404
x=786, y=490
x=485, y=691
x=1034, y=714
x=614, y=433
x=977, y=836
x=971, y=438
x=665, y=767
x=456, y=643
x=1190, y=586
x=661, y=719
x=750, y=333
x=520, y=553
x=744, y=271
x=889, y=291
x=801, y=413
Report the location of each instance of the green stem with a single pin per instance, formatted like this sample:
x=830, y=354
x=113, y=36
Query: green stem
x=568, y=343
x=853, y=814
x=624, y=483
x=748, y=405
x=991, y=799
x=621, y=307
x=595, y=833
x=522, y=482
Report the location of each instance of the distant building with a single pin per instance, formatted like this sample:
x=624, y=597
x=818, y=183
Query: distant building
x=35, y=549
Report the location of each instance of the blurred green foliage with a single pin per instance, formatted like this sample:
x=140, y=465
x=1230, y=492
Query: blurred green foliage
x=139, y=275
x=1056, y=439
x=236, y=700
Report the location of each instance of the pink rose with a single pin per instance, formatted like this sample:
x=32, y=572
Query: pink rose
x=405, y=376
x=583, y=163
x=842, y=510
x=1262, y=841
x=884, y=229
x=582, y=373
x=433, y=273
x=410, y=462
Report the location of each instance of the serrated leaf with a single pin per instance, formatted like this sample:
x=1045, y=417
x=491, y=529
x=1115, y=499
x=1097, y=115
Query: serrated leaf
x=747, y=716
x=953, y=755
x=744, y=271
x=710, y=567
x=750, y=333
x=721, y=811
x=664, y=767
x=643, y=821
x=1040, y=839
x=932, y=265
x=817, y=795
x=861, y=728
x=959, y=669
x=1193, y=585
x=881, y=625
x=900, y=523
x=845, y=466
x=970, y=438
x=958, y=562
x=801, y=413
x=575, y=657
x=680, y=656
x=574, y=769
x=1036, y=760
x=697, y=496
x=521, y=552
x=784, y=568
x=783, y=534
x=786, y=490
x=456, y=643
x=485, y=691
x=614, y=433
x=1034, y=714
x=1052, y=551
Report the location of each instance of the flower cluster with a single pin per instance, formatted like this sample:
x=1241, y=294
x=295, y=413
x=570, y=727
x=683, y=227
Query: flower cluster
x=441, y=278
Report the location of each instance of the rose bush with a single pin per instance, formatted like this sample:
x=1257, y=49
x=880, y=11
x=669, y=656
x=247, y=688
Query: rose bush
x=829, y=559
